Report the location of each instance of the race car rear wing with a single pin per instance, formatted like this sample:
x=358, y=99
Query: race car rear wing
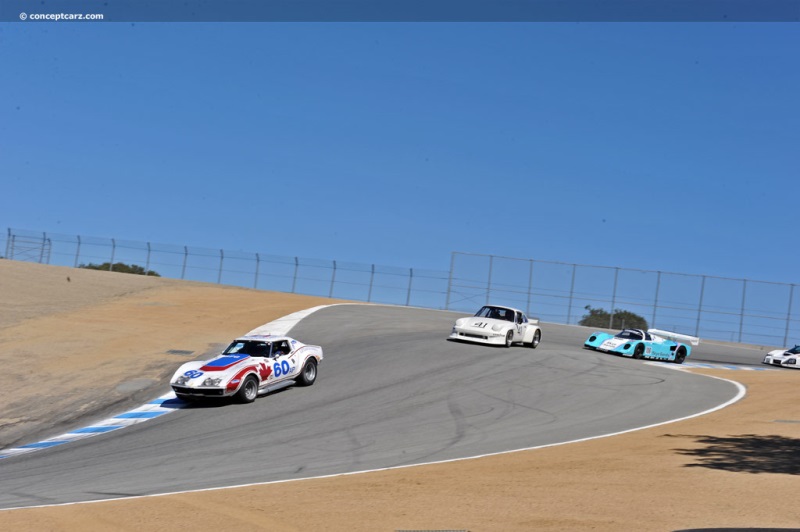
x=675, y=337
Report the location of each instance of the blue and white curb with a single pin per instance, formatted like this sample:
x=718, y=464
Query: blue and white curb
x=156, y=408
x=710, y=366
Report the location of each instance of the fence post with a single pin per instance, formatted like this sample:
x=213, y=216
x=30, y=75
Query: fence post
x=410, y=280
x=185, y=256
x=258, y=265
x=8, y=241
x=221, y=259
x=489, y=283
x=13, y=240
x=655, y=301
x=371, y=278
x=450, y=280
x=571, y=292
x=700, y=306
x=41, y=251
x=333, y=279
x=78, y=251
x=741, y=314
x=113, y=253
x=613, y=300
x=147, y=264
x=49, y=249
x=530, y=287
x=788, y=316
x=294, y=280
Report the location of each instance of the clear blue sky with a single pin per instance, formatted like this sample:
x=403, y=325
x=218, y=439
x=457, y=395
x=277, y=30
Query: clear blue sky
x=670, y=147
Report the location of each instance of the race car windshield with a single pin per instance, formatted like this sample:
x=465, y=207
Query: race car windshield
x=495, y=313
x=254, y=349
x=630, y=335
x=795, y=350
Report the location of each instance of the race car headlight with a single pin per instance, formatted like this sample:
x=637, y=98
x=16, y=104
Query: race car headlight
x=626, y=346
x=496, y=328
x=791, y=361
x=212, y=382
x=592, y=338
x=182, y=380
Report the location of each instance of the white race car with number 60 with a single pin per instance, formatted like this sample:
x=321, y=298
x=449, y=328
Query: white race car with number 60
x=497, y=325
x=250, y=366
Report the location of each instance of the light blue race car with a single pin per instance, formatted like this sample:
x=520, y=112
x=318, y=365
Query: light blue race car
x=636, y=343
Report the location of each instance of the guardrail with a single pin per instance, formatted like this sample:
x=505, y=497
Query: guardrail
x=736, y=310
x=712, y=307
x=329, y=278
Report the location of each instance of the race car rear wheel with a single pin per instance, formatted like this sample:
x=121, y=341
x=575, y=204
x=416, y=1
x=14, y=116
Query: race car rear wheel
x=680, y=355
x=249, y=390
x=638, y=351
x=309, y=373
x=509, y=338
x=537, y=337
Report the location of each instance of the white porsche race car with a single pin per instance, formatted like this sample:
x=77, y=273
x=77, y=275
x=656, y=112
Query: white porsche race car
x=250, y=366
x=497, y=325
x=785, y=358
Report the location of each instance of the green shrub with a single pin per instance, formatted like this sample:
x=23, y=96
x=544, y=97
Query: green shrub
x=622, y=319
x=120, y=267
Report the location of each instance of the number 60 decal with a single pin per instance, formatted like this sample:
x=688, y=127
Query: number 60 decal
x=281, y=369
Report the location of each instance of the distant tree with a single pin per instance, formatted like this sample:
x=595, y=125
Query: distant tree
x=120, y=267
x=623, y=319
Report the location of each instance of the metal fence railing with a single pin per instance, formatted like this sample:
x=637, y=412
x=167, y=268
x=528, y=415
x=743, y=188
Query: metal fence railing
x=328, y=278
x=736, y=310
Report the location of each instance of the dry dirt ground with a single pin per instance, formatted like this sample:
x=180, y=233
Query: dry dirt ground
x=735, y=468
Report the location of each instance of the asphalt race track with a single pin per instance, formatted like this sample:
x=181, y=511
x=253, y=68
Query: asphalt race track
x=390, y=392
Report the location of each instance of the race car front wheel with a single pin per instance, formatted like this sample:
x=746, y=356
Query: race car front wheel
x=680, y=355
x=309, y=373
x=249, y=390
x=638, y=351
x=509, y=338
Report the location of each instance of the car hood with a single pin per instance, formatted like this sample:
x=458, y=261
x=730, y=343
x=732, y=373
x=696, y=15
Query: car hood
x=477, y=323
x=224, y=363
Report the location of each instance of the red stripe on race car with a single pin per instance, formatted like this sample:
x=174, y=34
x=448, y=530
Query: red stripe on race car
x=234, y=382
x=219, y=368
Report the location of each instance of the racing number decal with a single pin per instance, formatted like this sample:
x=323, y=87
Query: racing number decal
x=481, y=324
x=281, y=368
x=193, y=373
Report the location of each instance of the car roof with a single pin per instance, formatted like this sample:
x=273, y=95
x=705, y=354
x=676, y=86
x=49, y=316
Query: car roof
x=505, y=307
x=262, y=338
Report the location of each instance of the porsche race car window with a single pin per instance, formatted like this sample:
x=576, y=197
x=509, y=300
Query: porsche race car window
x=632, y=335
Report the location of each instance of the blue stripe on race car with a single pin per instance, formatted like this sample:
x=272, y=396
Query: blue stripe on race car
x=226, y=361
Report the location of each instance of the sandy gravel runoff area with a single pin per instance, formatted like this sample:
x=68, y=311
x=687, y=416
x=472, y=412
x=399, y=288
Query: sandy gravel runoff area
x=737, y=468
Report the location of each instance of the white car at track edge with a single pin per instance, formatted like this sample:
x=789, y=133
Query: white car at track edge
x=496, y=325
x=785, y=358
x=251, y=365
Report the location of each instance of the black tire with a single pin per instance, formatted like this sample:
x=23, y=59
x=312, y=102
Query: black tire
x=638, y=351
x=249, y=390
x=680, y=355
x=509, y=338
x=537, y=337
x=308, y=375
